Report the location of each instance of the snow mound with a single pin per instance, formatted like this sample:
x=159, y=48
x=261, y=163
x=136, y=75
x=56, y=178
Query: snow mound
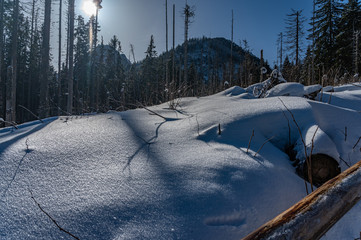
x=347, y=87
x=216, y=168
x=286, y=89
x=317, y=141
x=312, y=89
x=234, y=91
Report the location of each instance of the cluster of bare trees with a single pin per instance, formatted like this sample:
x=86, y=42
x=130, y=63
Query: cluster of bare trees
x=93, y=76
x=26, y=75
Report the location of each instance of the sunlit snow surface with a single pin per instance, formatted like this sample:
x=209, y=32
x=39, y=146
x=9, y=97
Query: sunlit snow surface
x=134, y=175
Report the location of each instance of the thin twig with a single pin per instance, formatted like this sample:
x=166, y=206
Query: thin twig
x=10, y=123
x=312, y=142
x=157, y=114
x=59, y=108
x=348, y=165
x=27, y=145
x=304, y=145
x=356, y=143
x=31, y=113
x=52, y=219
x=250, y=140
x=263, y=145
x=329, y=99
x=311, y=151
x=197, y=124
x=289, y=128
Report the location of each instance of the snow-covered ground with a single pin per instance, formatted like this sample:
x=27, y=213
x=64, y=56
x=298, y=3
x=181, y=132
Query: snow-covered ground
x=135, y=175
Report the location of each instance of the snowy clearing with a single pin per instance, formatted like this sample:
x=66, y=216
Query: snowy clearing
x=135, y=175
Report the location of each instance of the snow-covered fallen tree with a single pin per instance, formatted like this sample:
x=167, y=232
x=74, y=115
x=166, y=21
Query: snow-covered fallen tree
x=314, y=215
x=276, y=86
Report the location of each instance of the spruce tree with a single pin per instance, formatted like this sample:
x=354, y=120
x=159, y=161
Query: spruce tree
x=81, y=63
x=149, y=73
x=347, y=40
x=295, y=34
x=326, y=17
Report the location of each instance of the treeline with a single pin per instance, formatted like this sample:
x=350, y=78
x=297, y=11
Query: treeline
x=332, y=54
x=94, y=76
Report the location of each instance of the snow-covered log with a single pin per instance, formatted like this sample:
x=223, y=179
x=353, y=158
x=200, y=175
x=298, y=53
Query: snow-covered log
x=314, y=215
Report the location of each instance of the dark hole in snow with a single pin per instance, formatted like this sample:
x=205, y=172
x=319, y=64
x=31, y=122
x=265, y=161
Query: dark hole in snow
x=324, y=168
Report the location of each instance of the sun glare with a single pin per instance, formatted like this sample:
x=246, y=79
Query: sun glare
x=89, y=7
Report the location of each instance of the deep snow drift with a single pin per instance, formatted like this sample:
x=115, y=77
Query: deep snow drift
x=135, y=175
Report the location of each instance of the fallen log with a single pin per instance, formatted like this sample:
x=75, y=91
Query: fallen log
x=314, y=215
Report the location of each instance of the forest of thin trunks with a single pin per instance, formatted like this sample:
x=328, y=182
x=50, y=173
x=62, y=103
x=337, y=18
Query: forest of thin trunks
x=93, y=76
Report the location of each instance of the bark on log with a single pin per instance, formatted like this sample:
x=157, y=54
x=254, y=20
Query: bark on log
x=314, y=215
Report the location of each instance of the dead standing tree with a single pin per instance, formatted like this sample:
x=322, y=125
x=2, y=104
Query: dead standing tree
x=59, y=55
x=71, y=56
x=188, y=13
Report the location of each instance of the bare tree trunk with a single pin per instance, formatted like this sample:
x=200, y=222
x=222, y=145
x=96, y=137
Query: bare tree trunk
x=188, y=13
x=1, y=55
x=32, y=60
x=297, y=38
x=166, y=26
x=96, y=72
x=314, y=215
x=166, y=46
x=173, y=47
x=12, y=71
x=59, y=55
x=71, y=57
x=261, y=75
x=231, y=62
x=356, y=34
x=44, y=87
x=313, y=46
x=67, y=43
x=281, y=57
x=186, y=25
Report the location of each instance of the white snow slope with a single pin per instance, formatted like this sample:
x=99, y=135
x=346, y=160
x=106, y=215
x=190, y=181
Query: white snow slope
x=135, y=175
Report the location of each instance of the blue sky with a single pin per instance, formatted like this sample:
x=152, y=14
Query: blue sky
x=258, y=21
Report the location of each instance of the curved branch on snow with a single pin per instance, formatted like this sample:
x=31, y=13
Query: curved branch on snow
x=52, y=219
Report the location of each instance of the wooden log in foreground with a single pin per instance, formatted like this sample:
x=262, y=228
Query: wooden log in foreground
x=314, y=215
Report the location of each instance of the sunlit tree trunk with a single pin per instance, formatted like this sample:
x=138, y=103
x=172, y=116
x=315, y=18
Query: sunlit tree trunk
x=173, y=52
x=44, y=74
x=12, y=71
x=59, y=55
x=71, y=57
x=1, y=52
x=32, y=59
x=166, y=46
